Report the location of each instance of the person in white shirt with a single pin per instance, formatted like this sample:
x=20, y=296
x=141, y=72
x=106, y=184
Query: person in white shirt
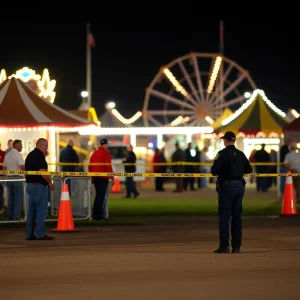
x=204, y=169
x=14, y=161
x=292, y=162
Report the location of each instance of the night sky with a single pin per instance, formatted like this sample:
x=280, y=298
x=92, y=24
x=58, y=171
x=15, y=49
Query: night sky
x=127, y=57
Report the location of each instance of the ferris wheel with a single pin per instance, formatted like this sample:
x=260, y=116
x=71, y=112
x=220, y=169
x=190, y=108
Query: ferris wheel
x=194, y=90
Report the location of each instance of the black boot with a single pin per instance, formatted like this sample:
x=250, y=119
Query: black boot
x=222, y=250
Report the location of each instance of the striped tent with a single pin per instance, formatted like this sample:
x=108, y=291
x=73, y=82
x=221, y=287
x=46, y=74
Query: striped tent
x=258, y=116
x=21, y=107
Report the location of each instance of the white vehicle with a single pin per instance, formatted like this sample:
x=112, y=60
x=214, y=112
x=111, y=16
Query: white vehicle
x=118, y=151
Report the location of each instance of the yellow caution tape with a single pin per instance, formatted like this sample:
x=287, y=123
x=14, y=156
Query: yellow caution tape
x=180, y=163
x=120, y=174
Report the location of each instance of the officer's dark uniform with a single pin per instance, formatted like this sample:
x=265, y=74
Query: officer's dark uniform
x=230, y=165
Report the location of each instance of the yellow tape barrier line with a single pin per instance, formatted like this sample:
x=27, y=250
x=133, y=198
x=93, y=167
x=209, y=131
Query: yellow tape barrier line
x=181, y=163
x=76, y=174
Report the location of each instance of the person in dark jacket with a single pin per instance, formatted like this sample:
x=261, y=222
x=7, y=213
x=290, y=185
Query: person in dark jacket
x=230, y=165
x=178, y=156
x=189, y=181
x=129, y=182
x=69, y=155
x=262, y=156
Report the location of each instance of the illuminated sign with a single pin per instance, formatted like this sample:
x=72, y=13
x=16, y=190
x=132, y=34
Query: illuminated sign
x=42, y=85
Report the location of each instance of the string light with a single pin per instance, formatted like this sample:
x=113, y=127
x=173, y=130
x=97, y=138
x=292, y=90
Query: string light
x=26, y=74
x=249, y=102
x=47, y=86
x=44, y=85
x=143, y=130
x=45, y=128
x=126, y=121
x=3, y=75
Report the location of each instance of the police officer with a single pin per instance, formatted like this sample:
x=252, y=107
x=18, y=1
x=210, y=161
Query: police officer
x=230, y=165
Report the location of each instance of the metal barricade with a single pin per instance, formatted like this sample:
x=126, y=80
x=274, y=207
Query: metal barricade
x=4, y=181
x=55, y=196
x=79, y=189
x=79, y=195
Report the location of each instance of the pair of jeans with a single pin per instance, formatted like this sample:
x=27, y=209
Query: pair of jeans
x=15, y=199
x=100, y=202
x=37, y=209
x=130, y=187
x=231, y=205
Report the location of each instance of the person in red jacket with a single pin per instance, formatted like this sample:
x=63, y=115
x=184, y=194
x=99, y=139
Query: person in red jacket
x=101, y=155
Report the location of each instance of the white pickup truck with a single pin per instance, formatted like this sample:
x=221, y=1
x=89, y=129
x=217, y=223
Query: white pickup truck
x=118, y=151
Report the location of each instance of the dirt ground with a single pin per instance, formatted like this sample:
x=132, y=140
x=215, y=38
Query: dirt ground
x=167, y=258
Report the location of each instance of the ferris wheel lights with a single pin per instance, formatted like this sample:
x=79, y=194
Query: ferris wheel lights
x=203, y=92
x=179, y=120
x=214, y=74
x=179, y=88
x=209, y=120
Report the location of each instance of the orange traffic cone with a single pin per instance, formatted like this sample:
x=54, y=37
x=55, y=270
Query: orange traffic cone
x=289, y=202
x=116, y=188
x=65, y=219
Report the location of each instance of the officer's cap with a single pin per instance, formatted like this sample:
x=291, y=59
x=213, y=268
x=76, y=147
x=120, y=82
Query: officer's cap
x=229, y=136
x=103, y=142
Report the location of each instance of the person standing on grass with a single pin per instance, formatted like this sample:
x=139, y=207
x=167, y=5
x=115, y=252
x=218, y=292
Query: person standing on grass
x=101, y=183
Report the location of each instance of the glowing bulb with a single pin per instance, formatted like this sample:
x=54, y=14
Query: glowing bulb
x=84, y=94
x=110, y=105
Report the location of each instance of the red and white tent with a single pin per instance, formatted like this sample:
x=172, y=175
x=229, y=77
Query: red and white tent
x=22, y=108
x=26, y=116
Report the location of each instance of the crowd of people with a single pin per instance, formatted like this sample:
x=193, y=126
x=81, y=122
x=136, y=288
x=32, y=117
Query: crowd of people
x=289, y=159
x=38, y=187
x=192, y=158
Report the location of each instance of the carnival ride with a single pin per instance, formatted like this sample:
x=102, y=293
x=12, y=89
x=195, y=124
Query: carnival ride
x=194, y=90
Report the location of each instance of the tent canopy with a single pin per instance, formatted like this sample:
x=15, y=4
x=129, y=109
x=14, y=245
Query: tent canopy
x=257, y=116
x=21, y=107
x=226, y=113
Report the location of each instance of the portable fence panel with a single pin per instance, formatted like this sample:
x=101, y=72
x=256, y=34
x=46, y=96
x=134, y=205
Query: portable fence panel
x=12, y=187
x=55, y=195
x=79, y=189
